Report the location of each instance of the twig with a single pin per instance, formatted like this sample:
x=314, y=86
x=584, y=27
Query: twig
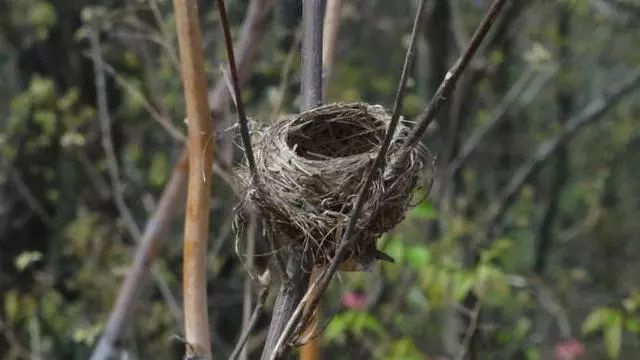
x=471, y=329
x=250, y=35
x=251, y=324
x=242, y=117
x=329, y=39
x=448, y=83
x=311, y=82
x=146, y=104
x=589, y=115
x=171, y=200
x=117, y=317
x=251, y=247
x=496, y=118
x=284, y=77
x=114, y=170
x=319, y=286
x=27, y=195
x=200, y=144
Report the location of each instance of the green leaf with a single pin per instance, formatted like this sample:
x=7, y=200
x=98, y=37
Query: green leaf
x=424, y=210
x=596, y=320
x=27, y=258
x=613, y=336
x=633, y=325
x=418, y=256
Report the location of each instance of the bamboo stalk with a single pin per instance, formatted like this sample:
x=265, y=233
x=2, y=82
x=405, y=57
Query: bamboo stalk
x=200, y=145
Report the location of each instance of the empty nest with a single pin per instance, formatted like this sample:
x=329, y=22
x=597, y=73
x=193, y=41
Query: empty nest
x=311, y=168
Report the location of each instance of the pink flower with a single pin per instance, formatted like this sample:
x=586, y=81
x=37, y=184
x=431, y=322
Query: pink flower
x=354, y=301
x=571, y=349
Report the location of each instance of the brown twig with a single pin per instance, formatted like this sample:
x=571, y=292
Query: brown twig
x=449, y=82
x=319, y=286
x=251, y=323
x=200, y=145
x=497, y=116
x=242, y=117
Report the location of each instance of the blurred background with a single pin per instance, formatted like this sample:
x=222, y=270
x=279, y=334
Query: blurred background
x=527, y=246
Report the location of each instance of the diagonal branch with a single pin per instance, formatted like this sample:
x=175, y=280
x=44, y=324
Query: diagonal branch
x=589, y=115
x=242, y=117
x=449, y=82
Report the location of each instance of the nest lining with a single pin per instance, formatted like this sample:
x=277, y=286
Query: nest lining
x=311, y=169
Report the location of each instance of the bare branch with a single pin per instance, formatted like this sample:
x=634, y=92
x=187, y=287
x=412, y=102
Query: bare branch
x=590, y=114
x=449, y=82
x=242, y=117
x=250, y=324
x=311, y=82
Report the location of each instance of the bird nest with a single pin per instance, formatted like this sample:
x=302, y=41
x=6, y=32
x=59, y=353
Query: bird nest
x=311, y=168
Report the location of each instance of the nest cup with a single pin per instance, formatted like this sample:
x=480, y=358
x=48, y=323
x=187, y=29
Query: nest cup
x=311, y=168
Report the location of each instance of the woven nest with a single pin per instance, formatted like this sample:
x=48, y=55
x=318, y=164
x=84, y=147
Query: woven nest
x=312, y=167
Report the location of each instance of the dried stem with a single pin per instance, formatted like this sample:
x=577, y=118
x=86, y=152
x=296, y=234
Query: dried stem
x=200, y=145
x=242, y=117
x=449, y=82
x=250, y=324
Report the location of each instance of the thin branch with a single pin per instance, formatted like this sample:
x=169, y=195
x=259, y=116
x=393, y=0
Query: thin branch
x=449, y=82
x=496, y=118
x=246, y=49
x=312, y=23
x=251, y=250
x=251, y=323
x=294, y=279
x=319, y=286
x=242, y=117
x=329, y=39
x=157, y=226
x=114, y=169
x=200, y=144
x=590, y=114
x=471, y=329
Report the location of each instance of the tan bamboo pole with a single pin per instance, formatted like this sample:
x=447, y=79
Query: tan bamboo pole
x=200, y=149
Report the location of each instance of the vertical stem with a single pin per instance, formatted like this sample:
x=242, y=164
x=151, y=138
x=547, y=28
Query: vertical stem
x=312, y=22
x=200, y=145
x=329, y=39
x=294, y=285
